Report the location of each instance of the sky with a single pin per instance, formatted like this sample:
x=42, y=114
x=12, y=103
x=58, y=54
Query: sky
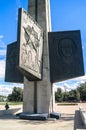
x=70, y=15
x=65, y=15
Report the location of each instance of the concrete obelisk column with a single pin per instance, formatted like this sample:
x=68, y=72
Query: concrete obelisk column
x=38, y=95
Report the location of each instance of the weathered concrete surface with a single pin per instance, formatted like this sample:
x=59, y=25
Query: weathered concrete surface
x=9, y=122
x=66, y=122
x=44, y=91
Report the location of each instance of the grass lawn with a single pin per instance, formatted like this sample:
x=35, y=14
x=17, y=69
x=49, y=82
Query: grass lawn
x=11, y=103
x=67, y=103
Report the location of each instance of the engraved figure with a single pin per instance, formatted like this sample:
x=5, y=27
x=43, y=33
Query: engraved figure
x=30, y=49
x=31, y=44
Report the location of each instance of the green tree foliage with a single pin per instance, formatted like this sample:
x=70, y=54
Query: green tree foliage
x=65, y=96
x=78, y=94
x=17, y=95
x=58, y=95
x=82, y=90
x=72, y=95
x=2, y=98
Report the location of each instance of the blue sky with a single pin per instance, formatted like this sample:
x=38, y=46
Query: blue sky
x=65, y=15
x=70, y=15
x=8, y=34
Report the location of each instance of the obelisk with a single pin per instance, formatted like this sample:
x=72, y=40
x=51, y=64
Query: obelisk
x=38, y=95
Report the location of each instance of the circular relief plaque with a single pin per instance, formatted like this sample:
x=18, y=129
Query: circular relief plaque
x=67, y=49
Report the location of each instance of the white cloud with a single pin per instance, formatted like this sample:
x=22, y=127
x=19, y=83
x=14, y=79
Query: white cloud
x=2, y=56
x=2, y=47
x=70, y=84
x=2, y=68
x=1, y=36
x=58, y=86
x=2, y=52
x=6, y=89
x=80, y=80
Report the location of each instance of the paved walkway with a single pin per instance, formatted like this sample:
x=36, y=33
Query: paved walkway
x=13, y=123
x=69, y=121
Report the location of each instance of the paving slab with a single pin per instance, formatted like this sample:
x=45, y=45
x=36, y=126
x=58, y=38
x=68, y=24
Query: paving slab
x=69, y=120
x=11, y=122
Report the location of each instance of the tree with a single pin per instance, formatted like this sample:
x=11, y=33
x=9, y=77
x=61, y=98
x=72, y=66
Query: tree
x=72, y=95
x=65, y=96
x=82, y=90
x=78, y=95
x=17, y=95
x=58, y=95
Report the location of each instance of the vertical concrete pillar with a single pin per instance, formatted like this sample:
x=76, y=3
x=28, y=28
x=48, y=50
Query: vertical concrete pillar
x=40, y=10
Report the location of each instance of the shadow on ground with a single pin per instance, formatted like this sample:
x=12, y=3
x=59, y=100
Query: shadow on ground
x=8, y=114
x=66, y=118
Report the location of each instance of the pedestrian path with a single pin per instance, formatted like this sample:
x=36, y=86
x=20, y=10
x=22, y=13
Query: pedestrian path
x=70, y=120
x=66, y=122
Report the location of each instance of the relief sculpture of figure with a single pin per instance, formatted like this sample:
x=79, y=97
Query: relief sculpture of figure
x=30, y=49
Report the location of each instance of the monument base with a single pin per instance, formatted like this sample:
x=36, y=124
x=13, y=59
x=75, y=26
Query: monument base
x=29, y=116
x=39, y=116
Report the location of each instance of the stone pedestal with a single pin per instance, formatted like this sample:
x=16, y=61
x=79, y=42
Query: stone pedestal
x=38, y=95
